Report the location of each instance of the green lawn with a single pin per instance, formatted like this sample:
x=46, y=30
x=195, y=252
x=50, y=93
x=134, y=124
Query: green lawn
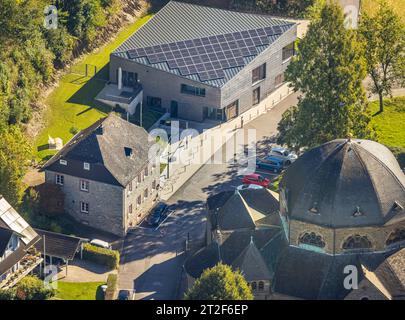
x=72, y=105
x=79, y=291
x=390, y=124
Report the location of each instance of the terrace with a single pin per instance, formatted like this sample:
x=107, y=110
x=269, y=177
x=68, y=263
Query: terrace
x=27, y=264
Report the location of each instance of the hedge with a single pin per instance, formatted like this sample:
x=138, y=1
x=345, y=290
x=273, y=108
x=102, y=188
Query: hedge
x=112, y=287
x=110, y=258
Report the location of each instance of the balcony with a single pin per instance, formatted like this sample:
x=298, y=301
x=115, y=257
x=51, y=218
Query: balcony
x=28, y=263
x=125, y=98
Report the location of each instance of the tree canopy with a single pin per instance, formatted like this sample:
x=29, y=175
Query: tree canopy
x=220, y=283
x=328, y=70
x=383, y=36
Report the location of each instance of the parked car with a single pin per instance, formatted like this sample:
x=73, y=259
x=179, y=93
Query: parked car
x=271, y=163
x=283, y=153
x=249, y=186
x=156, y=214
x=256, y=179
x=126, y=295
x=100, y=243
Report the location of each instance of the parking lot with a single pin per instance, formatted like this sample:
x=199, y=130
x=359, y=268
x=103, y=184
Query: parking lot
x=145, y=225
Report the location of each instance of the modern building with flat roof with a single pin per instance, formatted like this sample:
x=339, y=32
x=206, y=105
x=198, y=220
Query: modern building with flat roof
x=200, y=63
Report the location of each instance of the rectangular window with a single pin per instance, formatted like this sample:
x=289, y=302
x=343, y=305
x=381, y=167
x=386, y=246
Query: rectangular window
x=130, y=209
x=146, y=193
x=259, y=73
x=139, y=200
x=154, y=102
x=195, y=91
x=279, y=80
x=84, y=207
x=232, y=110
x=60, y=179
x=256, y=95
x=86, y=166
x=84, y=185
x=146, y=172
x=130, y=187
x=139, y=178
x=63, y=162
x=288, y=51
x=153, y=184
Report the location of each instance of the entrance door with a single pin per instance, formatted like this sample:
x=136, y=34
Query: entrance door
x=174, y=109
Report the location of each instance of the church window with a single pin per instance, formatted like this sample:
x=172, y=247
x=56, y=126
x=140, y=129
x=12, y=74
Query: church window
x=261, y=285
x=357, y=242
x=313, y=239
x=254, y=285
x=396, y=236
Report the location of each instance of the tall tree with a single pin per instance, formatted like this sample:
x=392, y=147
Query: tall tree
x=220, y=283
x=384, y=40
x=15, y=152
x=328, y=70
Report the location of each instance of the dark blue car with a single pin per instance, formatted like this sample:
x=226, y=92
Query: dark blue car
x=157, y=214
x=271, y=163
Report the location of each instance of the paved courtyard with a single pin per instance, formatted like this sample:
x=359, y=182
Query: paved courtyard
x=152, y=260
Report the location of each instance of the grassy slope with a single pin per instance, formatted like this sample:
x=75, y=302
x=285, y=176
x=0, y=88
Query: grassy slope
x=79, y=291
x=72, y=104
x=391, y=123
x=371, y=6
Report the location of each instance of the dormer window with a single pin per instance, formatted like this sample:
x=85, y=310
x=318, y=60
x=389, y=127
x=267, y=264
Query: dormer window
x=357, y=213
x=63, y=162
x=314, y=208
x=86, y=166
x=396, y=207
x=128, y=152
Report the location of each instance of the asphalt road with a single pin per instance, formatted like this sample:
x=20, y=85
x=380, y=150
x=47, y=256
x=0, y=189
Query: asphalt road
x=152, y=260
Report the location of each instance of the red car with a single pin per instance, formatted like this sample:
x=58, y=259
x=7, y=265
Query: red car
x=256, y=179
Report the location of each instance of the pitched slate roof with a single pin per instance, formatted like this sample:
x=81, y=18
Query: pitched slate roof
x=5, y=236
x=252, y=264
x=178, y=22
x=57, y=244
x=103, y=146
x=349, y=183
x=244, y=209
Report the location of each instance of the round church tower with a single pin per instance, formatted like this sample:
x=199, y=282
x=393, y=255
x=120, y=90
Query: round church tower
x=345, y=196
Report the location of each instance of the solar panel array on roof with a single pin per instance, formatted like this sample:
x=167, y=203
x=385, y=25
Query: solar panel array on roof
x=209, y=56
x=15, y=222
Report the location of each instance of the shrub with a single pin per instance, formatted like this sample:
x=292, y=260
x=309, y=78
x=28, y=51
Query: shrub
x=220, y=283
x=110, y=258
x=112, y=287
x=32, y=288
x=7, y=294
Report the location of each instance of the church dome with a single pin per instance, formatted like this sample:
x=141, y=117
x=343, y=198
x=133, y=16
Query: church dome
x=345, y=183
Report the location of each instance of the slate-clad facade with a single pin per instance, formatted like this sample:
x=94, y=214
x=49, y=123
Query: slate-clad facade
x=226, y=87
x=106, y=175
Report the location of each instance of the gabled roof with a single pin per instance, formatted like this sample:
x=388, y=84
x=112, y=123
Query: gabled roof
x=245, y=209
x=10, y=219
x=183, y=29
x=252, y=264
x=103, y=145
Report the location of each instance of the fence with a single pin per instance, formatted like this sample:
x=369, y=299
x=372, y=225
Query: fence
x=195, y=151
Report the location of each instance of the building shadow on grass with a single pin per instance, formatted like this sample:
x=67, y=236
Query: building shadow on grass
x=86, y=94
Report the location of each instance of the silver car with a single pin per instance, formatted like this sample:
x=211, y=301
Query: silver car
x=283, y=153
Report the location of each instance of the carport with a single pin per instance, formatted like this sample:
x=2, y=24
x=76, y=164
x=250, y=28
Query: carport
x=57, y=245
